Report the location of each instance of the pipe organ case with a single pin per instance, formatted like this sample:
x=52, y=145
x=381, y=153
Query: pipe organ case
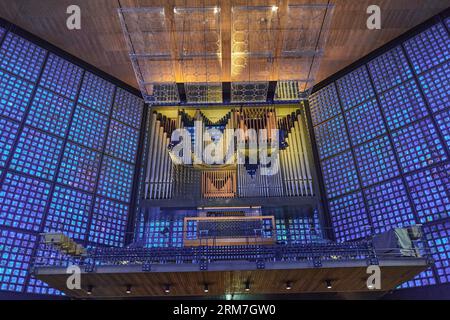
x=236, y=172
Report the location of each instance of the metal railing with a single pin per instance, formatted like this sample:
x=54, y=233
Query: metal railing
x=315, y=252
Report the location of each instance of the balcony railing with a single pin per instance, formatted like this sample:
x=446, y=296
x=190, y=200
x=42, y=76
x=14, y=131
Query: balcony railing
x=315, y=253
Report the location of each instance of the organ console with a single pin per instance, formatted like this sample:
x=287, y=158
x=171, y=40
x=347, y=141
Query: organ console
x=229, y=230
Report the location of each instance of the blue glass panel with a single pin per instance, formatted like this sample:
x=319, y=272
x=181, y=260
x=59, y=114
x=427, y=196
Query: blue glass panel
x=23, y=202
x=21, y=57
x=96, y=93
x=349, y=217
x=69, y=212
x=8, y=135
x=355, y=88
x=2, y=32
x=128, y=108
x=88, y=128
x=403, y=104
x=61, y=77
x=122, y=141
x=139, y=225
x=438, y=237
x=177, y=233
x=303, y=230
x=331, y=137
x=424, y=278
x=50, y=112
x=389, y=69
x=158, y=232
x=340, y=175
x=109, y=223
x=389, y=206
x=418, y=146
x=428, y=48
x=37, y=154
x=16, y=249
x=280, y=226
x=365, y=122
x=324, y=104
x=15, y=95
x=443, y=122
x=376, y=161
x=436, y=87
x=46, y=257
x=38, y=287
x=79, y=167
x=116, y=178
x=191, y=230
x=430, y=190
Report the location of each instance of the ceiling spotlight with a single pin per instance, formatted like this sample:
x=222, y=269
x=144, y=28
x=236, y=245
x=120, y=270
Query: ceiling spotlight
x=274, y=8
x=167, y=288
x=89, y=289
x=216, y=10
x=288, y=285
x=128, y=289
x=205, y=288
x=247, y=286
x=328, y=283
x=175, y=10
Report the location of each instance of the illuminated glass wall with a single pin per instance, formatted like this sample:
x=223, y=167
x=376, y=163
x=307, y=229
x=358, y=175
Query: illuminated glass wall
x=68, y=150
x=383, y=137
x=299, y=229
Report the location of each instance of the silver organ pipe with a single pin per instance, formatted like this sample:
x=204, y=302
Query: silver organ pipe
x=292, y=163
x=151, y=158
x=296, y=168
x=160, y=160
x=297, y=162
x=302, y=130
x=164, y=179
x=300, y=157
x=159, y=173
x=198, y=137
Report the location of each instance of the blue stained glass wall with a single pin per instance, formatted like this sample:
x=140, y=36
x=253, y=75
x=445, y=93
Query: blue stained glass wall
x=109, y=222
x=439, y=241
x=382, y=133
x=68, y=147
x=349, y=217
x=331, y=137
x=299, y=229
x=16, y=250
x=164, y=228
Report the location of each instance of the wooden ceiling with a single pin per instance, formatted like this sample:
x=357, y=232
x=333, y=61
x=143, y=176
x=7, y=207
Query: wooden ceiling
x=101, y=41
x=111, y=281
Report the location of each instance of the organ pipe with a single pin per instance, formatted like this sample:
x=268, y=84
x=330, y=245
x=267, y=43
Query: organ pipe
x=164, y=178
